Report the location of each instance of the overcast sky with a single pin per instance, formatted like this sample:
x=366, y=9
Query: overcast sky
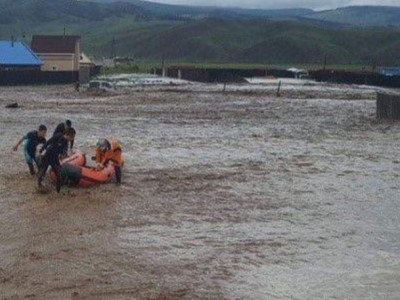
x=273, y=4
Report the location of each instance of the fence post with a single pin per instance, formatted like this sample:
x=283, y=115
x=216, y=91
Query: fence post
x=278, y=92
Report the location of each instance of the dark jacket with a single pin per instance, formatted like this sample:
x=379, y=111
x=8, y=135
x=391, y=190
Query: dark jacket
x=55, y=146
x=61, y=128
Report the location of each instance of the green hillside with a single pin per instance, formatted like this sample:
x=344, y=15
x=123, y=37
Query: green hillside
x=127, y=29
x=250, y=41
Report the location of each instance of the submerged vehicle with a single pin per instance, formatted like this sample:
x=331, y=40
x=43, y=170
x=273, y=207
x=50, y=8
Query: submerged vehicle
x=100, y=85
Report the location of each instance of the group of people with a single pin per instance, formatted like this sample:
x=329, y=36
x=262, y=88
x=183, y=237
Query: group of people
x=59, y=146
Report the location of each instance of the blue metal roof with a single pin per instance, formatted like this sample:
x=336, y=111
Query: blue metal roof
x=17, y=53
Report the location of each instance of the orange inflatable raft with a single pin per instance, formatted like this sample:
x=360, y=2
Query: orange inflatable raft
x=74, y=172
x=86, y=176
x=77, y=159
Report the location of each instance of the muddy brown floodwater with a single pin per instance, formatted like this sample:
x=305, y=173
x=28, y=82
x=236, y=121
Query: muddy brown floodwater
x=235, y=195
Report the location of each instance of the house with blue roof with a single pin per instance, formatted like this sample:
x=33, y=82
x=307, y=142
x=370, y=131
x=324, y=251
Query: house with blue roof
x=16, y=56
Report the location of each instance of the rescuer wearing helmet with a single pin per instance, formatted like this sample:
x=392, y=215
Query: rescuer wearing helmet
x=109, y=150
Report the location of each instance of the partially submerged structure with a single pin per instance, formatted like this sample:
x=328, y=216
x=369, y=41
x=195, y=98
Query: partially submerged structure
x=52, y=59
x=87, y=68
x=20, y=65
x=388, y=105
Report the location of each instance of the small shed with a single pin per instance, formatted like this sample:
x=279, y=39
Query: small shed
x=17, y=56
x=85, y=61
x=85, y=68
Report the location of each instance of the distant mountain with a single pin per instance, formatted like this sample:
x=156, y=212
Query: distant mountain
x=352, y=15
x=361, y=15
x=200, y=12
x=39, y=11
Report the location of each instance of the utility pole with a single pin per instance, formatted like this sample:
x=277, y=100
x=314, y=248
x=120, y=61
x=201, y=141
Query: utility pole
x=163, y=66
x=374, y=63
x=113, y=48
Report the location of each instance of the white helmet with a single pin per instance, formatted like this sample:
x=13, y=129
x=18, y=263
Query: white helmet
x=103, y=145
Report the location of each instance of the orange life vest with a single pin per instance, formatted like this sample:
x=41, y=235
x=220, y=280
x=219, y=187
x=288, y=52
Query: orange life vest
x=114, y=154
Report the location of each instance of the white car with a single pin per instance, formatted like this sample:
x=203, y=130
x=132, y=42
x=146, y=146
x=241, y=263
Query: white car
x=101, y=85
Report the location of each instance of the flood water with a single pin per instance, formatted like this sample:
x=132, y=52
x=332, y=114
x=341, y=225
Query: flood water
x=235, y=195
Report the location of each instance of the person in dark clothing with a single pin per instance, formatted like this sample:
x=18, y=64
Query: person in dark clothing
x=54, y=148
x=31, y=140
x=63, y=127
x=72, y=131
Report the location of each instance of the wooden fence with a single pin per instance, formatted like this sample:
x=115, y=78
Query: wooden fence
x=31, y=77
x=348, y=77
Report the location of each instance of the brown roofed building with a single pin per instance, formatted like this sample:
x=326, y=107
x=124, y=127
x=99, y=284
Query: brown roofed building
x=57, y=52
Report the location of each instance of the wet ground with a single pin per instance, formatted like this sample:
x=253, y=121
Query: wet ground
x=235, y=195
